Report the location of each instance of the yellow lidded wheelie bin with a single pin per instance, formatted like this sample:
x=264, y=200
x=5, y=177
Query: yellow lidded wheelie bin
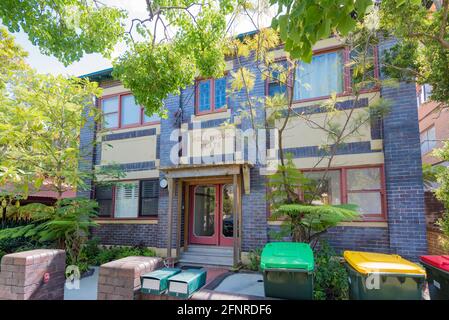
x=378, y=276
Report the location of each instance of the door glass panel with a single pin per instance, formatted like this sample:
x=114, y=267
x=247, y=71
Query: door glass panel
x=204, y=215
x=227, y=218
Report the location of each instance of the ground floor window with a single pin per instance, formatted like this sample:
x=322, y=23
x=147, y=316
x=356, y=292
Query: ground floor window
x=130, y=199
x=361, y=186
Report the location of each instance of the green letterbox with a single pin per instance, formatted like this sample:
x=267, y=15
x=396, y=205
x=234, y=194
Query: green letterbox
x=156, y=282
x=184, y=284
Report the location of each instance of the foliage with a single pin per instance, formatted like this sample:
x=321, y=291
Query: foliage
x=67, y=223
x=96, y=255
x=67, y=29
x=11, y=59
x=440, y=175
x=305, y=222
x=423, y=54
x=302, y=23
x=254, y=259
x=430, y=173
x=153, y=70
x=40, y=125
x=331, y=277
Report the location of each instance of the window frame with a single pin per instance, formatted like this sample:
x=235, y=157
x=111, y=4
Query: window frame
x=426, y=131
x=141, y=122
x=139, y=209
x=268, y=80
x=112, y=214
x=344, y=190
x=212, y=108
x=347, y=89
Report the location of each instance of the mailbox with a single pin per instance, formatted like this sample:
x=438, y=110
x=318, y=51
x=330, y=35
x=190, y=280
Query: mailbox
x=156, y=282
x=184, y=284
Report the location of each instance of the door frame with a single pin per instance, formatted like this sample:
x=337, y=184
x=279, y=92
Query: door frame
x=218, y=239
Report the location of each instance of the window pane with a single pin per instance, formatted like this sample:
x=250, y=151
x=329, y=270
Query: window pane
x=431, y=137
x=227, y=223
x=329, y=188
x=104, y=208
x=204, y=96
x=149, y=197
x=103, y=195
x=149, y=207
x=275, y=88
x=363, y=179
x=130, y=110
x=358, y=60
x=110, y=120
x=110, y=105
x=154, y=118
x=367, y=202
x=220, y=93
x=321, y=77
x=204, y=211
x=126, y=200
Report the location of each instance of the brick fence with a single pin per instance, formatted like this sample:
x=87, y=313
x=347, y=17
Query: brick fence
x=23, y=275
x=434, y=211
x=120, y=279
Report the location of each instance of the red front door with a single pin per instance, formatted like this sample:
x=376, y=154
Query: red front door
x=211, y=221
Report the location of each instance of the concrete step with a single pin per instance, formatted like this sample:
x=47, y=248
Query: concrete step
x=206, y=260
x=207, y=255
x=210, y=249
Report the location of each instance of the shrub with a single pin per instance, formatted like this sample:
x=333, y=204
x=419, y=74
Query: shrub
x=107, y=254
x=331, y=278
x=254, y=259
x=2, y=253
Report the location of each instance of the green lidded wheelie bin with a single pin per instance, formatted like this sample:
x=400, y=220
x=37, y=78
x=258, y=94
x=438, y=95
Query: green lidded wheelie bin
x=378, y=276
x=437, y=268
x=288, y=270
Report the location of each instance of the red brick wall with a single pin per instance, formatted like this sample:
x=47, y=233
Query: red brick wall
x=22, y=275
x=429, y=115
x=434, y=211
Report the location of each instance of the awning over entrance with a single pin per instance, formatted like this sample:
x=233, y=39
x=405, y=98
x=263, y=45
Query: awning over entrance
x=184, y=175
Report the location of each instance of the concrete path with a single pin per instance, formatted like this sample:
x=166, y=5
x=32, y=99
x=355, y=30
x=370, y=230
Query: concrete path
x=243, y=283
x=87, y=288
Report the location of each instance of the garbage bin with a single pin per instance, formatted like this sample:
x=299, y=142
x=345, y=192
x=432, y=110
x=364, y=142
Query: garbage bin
x=377, y=276
x=288, y=270
x=437, y=268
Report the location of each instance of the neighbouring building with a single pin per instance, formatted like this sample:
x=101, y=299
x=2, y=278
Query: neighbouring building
x=215, y=211
x=434, y=131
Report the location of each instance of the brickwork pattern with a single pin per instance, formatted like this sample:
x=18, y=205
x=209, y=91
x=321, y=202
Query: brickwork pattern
x=127, y=234
x=22, y=275
x=120, y=279
x=403, y=169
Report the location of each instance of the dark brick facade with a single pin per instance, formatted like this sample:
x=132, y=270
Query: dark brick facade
x=128, y=234
x=403, y=173
x=406, y=231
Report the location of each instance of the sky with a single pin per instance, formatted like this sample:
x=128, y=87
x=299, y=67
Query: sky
x=91, y=62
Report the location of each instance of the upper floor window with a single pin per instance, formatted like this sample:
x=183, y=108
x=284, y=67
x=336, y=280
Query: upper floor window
x=428, y=140
x=425, y=92
x=211, y=95
x=275, y=84
x=122, y=111
x=320, y=78
x=110, y=108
